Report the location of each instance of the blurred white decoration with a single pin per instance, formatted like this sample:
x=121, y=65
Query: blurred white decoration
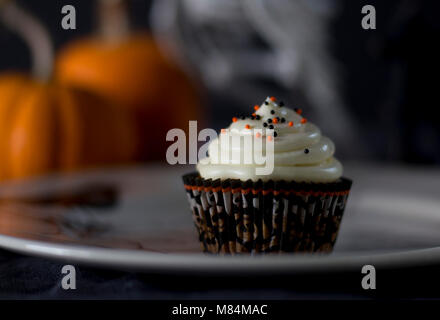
x=219, y=39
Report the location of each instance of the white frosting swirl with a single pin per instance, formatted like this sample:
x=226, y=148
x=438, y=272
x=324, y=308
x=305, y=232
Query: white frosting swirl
x=301, y=153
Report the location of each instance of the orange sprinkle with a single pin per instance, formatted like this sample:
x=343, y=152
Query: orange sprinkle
x=273, y=99
x=258, y=135
x=256, y=107
x=269, y=138
x=275, y=120
x=291, y=124
x=303, y=120
x=223, y=130
x=254, y=114
x=234, y=119
x=247, y=126
x=299, y=111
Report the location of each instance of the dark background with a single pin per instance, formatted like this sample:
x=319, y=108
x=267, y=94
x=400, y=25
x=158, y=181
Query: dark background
x=388, y=76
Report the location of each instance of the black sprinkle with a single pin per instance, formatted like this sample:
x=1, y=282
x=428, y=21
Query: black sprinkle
x=296, y=109
x=275, y=134
x=243, y=117
x=271, y=127
x=266, y=103
x=283, y=120
x=278, y=118
x=281, y=104
x=252, y=118
x=272, y=111
x=258, y=117
x=269, y=120
x=264, y=124
x=306, y=150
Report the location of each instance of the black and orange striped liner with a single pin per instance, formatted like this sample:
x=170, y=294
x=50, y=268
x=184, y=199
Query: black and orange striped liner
x=233, y=216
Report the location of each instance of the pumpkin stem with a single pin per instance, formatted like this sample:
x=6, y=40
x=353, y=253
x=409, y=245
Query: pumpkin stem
x=33, y=33
x=113, y=20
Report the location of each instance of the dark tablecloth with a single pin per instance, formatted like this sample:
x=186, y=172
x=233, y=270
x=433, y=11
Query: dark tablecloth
x=24, y=277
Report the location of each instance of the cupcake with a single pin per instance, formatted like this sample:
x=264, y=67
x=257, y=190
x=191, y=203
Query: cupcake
x=269, y=184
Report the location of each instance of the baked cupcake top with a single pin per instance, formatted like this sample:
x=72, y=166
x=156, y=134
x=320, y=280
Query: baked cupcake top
x=299, y=151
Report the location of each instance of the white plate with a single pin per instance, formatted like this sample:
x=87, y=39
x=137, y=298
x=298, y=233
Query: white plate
x=392, y=220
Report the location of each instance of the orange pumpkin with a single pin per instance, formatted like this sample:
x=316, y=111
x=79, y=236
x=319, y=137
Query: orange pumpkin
x=45, y=127
x=133, y=72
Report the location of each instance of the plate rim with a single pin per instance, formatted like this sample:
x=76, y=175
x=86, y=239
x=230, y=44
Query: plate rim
x=179, y=263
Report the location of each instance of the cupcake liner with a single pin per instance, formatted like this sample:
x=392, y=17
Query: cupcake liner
x=233, y=216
